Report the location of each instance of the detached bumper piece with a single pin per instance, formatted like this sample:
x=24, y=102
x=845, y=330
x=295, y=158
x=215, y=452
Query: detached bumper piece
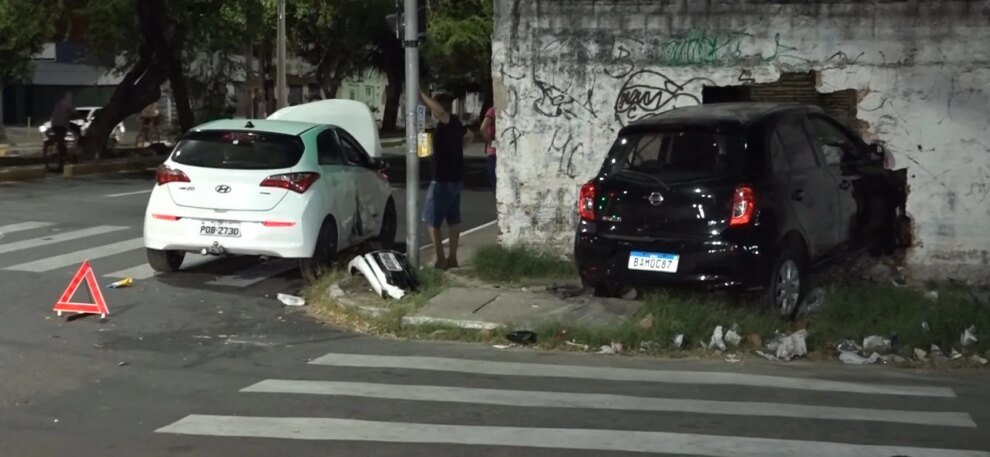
x=388, y=272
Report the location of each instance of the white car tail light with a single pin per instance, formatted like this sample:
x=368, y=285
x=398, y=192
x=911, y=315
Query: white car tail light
x=165, y=174
x=296, y=182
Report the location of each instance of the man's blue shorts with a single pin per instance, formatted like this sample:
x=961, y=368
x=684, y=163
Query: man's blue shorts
x=443, y=203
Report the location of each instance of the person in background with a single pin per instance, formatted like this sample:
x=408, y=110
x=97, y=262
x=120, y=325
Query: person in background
x=149, y=123
x=488, y=133
x=443, y=199
x=62, y=122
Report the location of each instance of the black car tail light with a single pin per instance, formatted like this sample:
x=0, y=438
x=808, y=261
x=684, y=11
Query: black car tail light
x=586, y=201
x=743, y=206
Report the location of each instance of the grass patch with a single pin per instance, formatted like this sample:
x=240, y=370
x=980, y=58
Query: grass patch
x=499, y=264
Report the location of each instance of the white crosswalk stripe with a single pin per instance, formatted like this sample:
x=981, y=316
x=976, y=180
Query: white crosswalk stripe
x=324, y=426
x=85, y=244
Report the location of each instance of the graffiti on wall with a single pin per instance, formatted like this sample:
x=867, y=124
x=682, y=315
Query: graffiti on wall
x=703, y=47
x=647, y=93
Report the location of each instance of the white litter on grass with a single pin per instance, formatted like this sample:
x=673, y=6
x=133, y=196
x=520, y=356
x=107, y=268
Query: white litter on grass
x=733, y=358
x=932, y=295
x=502, y=346
x=717, y=340
x=920, y=354
x=614, y=348
x=291, y=300
x=978, y=360
x=770, y=357
x=650, y=346
x=583, y=347
x=937, y=352
x=852, y=358
x=732, y=338
x=926, y=327
x=968, y=336
x=678, y=341
x=955, y=355
x=876, y=343
x=793, y=346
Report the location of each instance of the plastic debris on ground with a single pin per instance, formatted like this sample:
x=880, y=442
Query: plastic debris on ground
x=852, y=358
x=523, y=337
x=583, y=347
x=955, y=355
x=876, y=343
x=793, y=346
x=936, y=352
x=920, y=354
x=733, y=358
x=126, y=282
x=978, y=360
x=770, y=357
x=932, y=295
x=388, y=273
x=503, y=346
x=732, y=338
x=848, y=346
x=926, y=327
x=679, y=341
x=717, y=340
x=968, y=336
x=291, y=300
x=614, y=348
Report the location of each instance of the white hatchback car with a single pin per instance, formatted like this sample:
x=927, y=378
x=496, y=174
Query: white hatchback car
x=303, y=184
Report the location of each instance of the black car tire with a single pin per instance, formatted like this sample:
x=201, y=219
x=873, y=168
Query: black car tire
x=165, y=261
x=324, y=253
x=390, y=221
x=785, y=281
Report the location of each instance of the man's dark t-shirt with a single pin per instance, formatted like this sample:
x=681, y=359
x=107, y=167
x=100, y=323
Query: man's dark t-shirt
x=447, y=162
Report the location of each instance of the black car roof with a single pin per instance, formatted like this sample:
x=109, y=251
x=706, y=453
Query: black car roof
x=721, y=114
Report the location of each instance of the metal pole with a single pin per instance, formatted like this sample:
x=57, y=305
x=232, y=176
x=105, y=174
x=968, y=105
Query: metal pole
x=280, y=91
x=412, y=161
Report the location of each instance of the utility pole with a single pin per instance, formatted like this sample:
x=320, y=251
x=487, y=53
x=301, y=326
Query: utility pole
x=281, y=93
x=411, y=43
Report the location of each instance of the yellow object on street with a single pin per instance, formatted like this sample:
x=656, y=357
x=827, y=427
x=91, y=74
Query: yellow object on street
x=126, y=282
x=424, y=145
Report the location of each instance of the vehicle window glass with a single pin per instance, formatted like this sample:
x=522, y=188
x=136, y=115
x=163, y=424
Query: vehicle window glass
x=797, y=147
x=353, y=151
x=238, y=150
x=328, y=150
x=832, y=141
x=778, y=161
x=674, y=155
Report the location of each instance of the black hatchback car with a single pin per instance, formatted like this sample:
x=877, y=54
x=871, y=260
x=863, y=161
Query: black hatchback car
x=734, y=195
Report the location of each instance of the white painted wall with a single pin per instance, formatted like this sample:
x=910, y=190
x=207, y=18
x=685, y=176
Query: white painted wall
x=921, y=68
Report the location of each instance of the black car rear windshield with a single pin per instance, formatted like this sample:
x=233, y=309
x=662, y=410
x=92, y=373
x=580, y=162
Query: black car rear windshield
x=236, y=150
x=670, y=155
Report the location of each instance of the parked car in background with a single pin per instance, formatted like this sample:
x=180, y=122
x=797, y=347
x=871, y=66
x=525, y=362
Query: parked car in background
x=303, y=184
x=746, y=196
x=83, y=117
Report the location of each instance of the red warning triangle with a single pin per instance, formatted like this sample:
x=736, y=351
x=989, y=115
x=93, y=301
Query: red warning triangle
x=98, y=307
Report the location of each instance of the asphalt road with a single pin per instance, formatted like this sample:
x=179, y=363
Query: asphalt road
x=207, y=363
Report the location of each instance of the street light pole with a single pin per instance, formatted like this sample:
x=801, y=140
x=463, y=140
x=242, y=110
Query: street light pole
x=412, y=160
x=280, y=90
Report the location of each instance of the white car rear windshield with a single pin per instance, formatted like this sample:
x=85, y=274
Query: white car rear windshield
x=238, y=150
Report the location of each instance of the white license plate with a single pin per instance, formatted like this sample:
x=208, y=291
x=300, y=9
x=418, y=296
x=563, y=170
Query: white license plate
x=217, y=228
x=653, y=261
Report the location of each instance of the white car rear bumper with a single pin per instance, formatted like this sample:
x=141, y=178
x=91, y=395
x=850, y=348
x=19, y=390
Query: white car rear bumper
x=184, y=234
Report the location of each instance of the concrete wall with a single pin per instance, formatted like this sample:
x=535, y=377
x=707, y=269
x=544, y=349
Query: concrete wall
x=568, y=74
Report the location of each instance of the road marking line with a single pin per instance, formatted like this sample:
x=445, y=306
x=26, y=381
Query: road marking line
x=73, y=258
x=255, y=274
x=464, y=233
x=543, y=399
x=129, y=193
x=58, y=238
x=621, y=374
x=315, y=428
x=145, y=271
x=5, y=229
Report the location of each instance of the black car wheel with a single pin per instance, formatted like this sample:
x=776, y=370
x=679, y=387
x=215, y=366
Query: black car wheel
x=165, y=261
x=785, y=289
x=324, y=253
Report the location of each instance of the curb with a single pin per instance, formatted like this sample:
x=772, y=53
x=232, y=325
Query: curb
x=110, y=166
x=470, y=325
x=340, y=296
x=391, y=143
x=23, y=173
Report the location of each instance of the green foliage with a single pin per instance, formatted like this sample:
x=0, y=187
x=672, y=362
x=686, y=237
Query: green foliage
x=458, y=50
x=25, y=25
x=500, y=264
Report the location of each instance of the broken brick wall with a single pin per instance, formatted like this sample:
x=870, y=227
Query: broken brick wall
x=915, y=74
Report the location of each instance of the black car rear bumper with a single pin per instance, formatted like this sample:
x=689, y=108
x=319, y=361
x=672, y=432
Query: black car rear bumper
x=736, y=261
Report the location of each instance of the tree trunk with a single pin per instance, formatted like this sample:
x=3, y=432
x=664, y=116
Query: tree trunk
x=177, y=80
x=393, y=93
x=140, y=87
x=3, y=131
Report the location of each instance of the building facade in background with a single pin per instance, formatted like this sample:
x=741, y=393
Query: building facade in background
x=912, y=74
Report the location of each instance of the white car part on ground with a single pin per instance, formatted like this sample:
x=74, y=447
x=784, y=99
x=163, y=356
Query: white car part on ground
x=389, y=273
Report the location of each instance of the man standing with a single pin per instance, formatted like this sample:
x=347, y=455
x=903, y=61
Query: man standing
x=488, y=132
x=62, y=122
x=443, y=199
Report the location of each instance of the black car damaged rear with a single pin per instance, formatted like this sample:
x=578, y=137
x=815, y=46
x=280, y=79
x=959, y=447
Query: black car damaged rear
x=745, y=196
